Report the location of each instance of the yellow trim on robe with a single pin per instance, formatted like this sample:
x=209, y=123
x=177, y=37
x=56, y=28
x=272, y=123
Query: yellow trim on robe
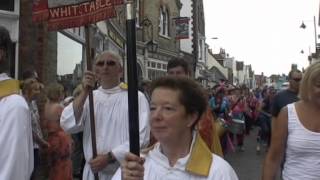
x=124, y=86
x=8, y=87
x=200, y=159
x=216, y=145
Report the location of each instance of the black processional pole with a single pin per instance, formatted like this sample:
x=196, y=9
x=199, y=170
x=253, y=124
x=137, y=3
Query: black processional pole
x=132, y=78
x=89, y=54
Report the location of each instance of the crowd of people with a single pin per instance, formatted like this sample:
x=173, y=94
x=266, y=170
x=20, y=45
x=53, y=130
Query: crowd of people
x=184, y=130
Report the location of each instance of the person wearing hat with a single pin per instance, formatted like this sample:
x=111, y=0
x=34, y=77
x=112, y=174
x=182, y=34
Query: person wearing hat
x=15, y=131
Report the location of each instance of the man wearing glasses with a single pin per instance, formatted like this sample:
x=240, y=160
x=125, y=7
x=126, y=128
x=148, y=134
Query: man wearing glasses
x=111, y=117
x=289, y=95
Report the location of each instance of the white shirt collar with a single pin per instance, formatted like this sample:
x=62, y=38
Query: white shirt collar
x=163, y=160
x=113, y=90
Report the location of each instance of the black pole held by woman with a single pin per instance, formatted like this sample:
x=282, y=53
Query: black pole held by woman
x=132, y=77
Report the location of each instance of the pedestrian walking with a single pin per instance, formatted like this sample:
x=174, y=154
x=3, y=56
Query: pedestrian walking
x=60, y=143
x=287, y=96
x=237, y=110
x=296, y=134
x=31, y=91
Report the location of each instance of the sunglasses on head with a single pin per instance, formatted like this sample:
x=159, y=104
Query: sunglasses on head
x=107, y=62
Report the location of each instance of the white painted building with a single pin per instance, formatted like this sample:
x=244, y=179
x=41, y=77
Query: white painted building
x=231, y=64
x=314, y=58
x=212, y=62
x=240, y=76
x=186, y=44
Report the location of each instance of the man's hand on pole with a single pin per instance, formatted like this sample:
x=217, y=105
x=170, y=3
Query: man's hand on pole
x=89, y=80
x=98, y=163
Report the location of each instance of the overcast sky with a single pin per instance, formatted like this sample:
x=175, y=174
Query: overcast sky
x=263, y=33
x=69, y=54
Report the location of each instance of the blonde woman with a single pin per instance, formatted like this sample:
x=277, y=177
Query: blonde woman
x=59, y=152
x=30, y=91
x=296, y=134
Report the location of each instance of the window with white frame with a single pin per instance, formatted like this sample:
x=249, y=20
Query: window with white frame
x=156, y=69
x=164, y=21
x=70, y=63
x=69, y=53
x=200, y=51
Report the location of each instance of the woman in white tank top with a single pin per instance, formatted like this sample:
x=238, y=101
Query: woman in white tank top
x=296, y=134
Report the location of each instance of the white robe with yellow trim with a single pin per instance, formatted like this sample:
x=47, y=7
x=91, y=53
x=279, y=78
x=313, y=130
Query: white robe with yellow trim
x=112, y=127
x=157, y=167
x=16, y=154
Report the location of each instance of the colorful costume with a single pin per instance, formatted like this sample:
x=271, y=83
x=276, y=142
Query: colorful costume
x=208, y=132
x=59, y=153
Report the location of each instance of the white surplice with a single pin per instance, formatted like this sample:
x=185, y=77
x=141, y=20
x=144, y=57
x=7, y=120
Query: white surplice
x=157, y=167
x=112, y=126
x=16, y=157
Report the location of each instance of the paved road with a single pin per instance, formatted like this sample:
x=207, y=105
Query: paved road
x=248, y=164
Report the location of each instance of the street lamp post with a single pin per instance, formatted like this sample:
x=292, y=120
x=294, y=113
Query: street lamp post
x=303, y=26
x=213, y=38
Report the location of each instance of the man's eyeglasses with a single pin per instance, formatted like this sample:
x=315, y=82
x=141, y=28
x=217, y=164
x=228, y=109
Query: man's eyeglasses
x=296, y=79
x=107, y=62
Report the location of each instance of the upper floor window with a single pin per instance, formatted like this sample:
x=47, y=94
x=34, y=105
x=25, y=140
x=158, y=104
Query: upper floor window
x=200, y=50
x=164, y=21
x=7, y=5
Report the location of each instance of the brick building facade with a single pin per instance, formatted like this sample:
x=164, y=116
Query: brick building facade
x=47, y=53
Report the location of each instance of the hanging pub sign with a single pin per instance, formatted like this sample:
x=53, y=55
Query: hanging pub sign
x=62, y=14
x=182, y=27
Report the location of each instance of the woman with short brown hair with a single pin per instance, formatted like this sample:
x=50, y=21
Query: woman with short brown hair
x=177, y=104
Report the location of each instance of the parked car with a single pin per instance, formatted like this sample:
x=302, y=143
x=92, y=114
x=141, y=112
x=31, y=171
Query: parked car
x=284, y=86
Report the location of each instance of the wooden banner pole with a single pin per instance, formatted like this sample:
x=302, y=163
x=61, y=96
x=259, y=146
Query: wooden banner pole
x=89, y=55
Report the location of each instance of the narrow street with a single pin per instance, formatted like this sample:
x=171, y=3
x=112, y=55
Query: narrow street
x=248, y=164
x=83, y=82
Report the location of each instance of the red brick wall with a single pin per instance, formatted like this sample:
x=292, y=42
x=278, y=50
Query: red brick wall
x=38, y=47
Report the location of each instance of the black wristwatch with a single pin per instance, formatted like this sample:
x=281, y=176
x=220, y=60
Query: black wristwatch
x=110, y=158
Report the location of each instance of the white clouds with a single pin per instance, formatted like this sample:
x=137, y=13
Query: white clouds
x=264, y=33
